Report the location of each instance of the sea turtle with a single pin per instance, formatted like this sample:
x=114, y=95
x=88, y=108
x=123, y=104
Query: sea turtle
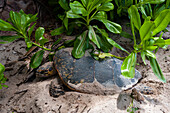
x=88, y=75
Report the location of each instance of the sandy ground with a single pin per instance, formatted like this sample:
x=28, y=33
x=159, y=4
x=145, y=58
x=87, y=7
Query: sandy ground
x=34, y=97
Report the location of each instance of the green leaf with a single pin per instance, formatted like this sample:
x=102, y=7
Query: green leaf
x=115, y=44
x=160, y=42
x=2, y=69
x=151, y=1
x=106, y=7
x=70, y=14
x=167, y=42
x=143, y=56
x=37, y=59
x=134, y=16
x=149, y=53
x=80, y=45
x=58, y=31
x=78, y=8
x=39, y=33
x=85, y=2
x=16, y=19
x=151, y=48
x=128, y=66
x=8, y=39
x=156, y=69
x=5, y=86
x=5, y=26
x=33, y=18
x=31, y=29
x=65, y=21
x=92, y=36
x=100, y=15
x=162, y=21
x=42, y=40
x=64, y=4
x=104, y=44
x=146, y=30
x=111, y=26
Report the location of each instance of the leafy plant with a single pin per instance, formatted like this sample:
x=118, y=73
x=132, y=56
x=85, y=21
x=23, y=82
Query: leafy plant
x=86, y=12
x=147, y=7
x=23, y=25
x=148, y=42
x=2, y=78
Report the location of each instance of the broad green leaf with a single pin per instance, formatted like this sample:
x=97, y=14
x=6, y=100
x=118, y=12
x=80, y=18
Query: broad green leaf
x=102, y=31
x=160, y=42
x=39, y=33
x=92, y=36
x=143, y=56
x=156, y=69
x=64, y=4
x=70, y=14
x=65, y=21
x=167, y=3
x=85, y=2
x=37, y=59
x=134, y=16
x=2, y=69
x=105, y=46
x=151, y=1
x=5, y=26
x=111, y=26
x=33, y=18
x=128, y=66
x=162, y=21
x=115, y=44
x=8, y=39
x=80, y=45
x=106, y=7
x=78, y=8
x=151, y=48
x=100, y=15
x=109, y=40
x=29, y=44
x=144, y=15
x=42, y=40
x=149, y=53
x=23, y=18
x=146, y=30
x=58, y=31
x=4, y=86
x=16, y=19
x=31, y=29
x=167, y=42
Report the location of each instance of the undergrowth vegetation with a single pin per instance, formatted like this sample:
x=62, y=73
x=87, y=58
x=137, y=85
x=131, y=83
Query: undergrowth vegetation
x=92, y=20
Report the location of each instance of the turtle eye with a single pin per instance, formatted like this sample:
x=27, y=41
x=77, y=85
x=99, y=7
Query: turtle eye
x=42, y=72
x=50, y=69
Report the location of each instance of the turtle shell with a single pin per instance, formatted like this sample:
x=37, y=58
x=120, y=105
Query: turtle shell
x=88, y=75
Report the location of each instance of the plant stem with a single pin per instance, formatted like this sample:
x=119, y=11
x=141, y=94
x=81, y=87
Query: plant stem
x=121, y=58
x=41, y=47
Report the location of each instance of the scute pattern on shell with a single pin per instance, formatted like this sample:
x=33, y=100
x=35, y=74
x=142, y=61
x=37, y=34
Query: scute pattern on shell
x=82, y=74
